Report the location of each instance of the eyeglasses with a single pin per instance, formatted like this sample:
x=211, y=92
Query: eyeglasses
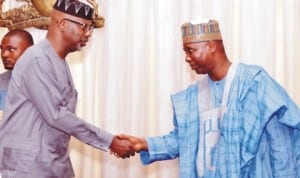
x=85, y=27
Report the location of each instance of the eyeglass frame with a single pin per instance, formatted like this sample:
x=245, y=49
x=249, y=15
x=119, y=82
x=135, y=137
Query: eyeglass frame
x=85, y=27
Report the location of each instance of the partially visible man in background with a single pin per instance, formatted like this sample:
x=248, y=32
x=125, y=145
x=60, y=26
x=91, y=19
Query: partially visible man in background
x=13, y=44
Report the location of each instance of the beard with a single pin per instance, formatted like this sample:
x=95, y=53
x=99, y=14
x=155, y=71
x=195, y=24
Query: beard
x=79, y=47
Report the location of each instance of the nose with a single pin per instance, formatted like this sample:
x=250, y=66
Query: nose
x=4, y=53
x=187, y=58
x=88, y=33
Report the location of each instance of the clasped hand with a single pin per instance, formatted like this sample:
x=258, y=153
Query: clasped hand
x=125, y=146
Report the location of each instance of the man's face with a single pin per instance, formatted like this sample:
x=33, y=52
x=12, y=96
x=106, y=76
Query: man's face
x=11, y=49
x=198, y=56
x=79, y=32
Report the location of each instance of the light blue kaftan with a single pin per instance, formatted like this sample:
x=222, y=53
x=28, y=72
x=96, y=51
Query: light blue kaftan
x=259, y=135
x=4, y=81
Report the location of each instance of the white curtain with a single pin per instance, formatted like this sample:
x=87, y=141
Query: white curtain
x=131, y=66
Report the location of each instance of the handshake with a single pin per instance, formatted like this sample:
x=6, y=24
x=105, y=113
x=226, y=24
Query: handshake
x=124, y=146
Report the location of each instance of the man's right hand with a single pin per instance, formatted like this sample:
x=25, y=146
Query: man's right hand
x=137, y=144
x=121, y=147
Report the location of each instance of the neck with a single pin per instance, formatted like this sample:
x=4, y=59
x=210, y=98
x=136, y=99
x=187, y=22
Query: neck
x=57, y=46
x=220, y=70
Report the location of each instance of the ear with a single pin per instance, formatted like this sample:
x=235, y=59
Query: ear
x=212, y=46
x=61, y=24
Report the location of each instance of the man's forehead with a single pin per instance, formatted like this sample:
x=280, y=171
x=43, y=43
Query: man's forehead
x=194, y=44
x=12, y=40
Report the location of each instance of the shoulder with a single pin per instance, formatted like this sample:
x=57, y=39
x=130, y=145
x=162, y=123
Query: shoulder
x=189, y=89
x=255, y=81
x=37, y=50
x=185, y=94
x=250, y=69
x=33, y=55
x=5, y=75
x=34, y=61
x=4, y=80
x=250, y=73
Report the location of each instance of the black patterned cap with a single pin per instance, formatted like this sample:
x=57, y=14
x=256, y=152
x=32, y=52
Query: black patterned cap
x=75, y=8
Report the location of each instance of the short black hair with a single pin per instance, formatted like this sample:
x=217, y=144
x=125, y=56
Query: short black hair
x=22, y=33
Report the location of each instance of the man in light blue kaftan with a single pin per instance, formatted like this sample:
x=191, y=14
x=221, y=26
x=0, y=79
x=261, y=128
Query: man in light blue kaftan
x=255, y=100
x=13, y=44
x=236, y=122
